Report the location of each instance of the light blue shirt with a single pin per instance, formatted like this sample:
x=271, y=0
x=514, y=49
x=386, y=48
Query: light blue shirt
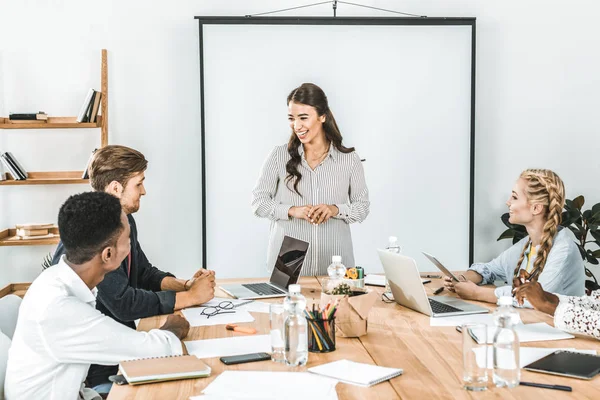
x=563, y=273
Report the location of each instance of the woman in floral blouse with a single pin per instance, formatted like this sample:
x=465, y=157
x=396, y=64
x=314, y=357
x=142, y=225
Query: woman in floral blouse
x=571, y=313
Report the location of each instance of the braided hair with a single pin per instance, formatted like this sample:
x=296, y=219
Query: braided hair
x=546, y=188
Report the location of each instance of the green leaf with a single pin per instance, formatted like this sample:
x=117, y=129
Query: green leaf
x=588, y=273
x=507, y=234
x=586, y=214
x=594, y=218
x=592, y=260
x=596, y=208
x=596, y=235
x=581, y=250
x=596, y=253
x=578, y=202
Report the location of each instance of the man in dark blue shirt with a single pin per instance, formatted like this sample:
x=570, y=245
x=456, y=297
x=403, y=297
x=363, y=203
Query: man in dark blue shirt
x=137, y=289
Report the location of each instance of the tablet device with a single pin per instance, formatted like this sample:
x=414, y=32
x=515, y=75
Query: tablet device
x=440, y=266
x=567, y=363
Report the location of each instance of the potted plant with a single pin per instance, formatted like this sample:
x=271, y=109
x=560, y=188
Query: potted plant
x=585, y=225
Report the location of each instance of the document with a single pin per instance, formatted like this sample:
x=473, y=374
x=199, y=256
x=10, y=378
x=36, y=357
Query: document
x=225, y=316
x=231, y=346
x=264, y=385
x=527, y=355
x=255, y=306
x=538, y=332
x=458, y=320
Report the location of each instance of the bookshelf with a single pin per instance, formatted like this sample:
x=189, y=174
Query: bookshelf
x=7, y=236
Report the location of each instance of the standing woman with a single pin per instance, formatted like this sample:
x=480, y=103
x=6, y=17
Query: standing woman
x=313, y=187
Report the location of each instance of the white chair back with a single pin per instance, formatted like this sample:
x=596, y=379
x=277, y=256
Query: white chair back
x=9, y=311
x=4, y=346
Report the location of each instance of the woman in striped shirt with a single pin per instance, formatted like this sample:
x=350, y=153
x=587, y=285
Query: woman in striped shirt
x=313, y=187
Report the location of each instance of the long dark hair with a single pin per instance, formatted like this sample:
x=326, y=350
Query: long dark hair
x=311, y=95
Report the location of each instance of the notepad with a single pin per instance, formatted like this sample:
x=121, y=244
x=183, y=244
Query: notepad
x=567, y=363
x=158, y=369
x=536, y=332
x=354, y=373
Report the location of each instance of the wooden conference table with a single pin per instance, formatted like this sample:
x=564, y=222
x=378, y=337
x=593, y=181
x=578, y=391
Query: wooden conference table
x=397, y=337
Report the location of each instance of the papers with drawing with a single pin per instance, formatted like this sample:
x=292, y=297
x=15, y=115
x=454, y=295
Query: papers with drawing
x=527, y=355
x=228, y=316
x=263, y=385
x=231, y=346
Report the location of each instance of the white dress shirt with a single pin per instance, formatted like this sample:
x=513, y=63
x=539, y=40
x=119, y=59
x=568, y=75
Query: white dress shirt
x=60, y=333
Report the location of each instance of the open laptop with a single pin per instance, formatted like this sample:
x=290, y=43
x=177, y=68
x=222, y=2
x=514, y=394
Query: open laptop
x=286, y=272
x=405, y=282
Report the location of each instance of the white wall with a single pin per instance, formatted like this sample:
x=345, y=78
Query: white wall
x=537, y=100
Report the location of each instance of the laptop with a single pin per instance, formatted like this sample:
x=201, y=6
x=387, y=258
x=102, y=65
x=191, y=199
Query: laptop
x=405, y=282
x=285, y=273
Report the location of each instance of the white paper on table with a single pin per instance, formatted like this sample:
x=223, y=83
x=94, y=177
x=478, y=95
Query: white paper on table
x=217, y=300
x=458, y=320
x=538, y=332
x=255, y=306
x=231, y=346
x=265, y=385
x=195, y=317
x=527, y=355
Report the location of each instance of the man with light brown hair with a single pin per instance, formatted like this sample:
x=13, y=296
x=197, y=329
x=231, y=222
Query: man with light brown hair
x=136, y=289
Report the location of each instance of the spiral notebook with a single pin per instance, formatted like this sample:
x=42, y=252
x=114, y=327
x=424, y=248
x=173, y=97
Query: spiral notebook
x=158, y=369
x=356, y=373
x=567, y=363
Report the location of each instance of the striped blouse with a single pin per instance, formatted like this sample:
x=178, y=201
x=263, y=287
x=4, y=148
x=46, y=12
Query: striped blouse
x=339, y=179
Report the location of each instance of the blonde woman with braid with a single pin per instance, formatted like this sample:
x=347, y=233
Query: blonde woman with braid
x=546, y=255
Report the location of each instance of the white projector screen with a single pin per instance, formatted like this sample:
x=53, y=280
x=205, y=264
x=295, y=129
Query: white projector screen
x=402, y=92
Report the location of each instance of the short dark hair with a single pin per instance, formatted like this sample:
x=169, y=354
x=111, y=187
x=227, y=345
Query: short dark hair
x=87, y=223
x=115, y=163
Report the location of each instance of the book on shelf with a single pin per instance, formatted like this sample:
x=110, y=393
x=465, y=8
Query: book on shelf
x=32, y=226
x=168, y=368
x=32, y=232
x=81, y=117
x=95, y=106
x=86, y=174
x=12, y=168
x=31, y=117
x=17, y=163
x=47, y=236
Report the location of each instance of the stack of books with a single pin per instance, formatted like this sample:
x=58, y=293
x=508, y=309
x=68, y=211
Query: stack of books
x=90, y=107
x=34, y=231
x=13, y=166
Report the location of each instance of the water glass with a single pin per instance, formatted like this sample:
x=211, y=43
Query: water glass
x=277, y=318
x=475, y=357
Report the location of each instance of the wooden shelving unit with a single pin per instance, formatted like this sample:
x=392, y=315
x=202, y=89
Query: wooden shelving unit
x=7, y=236
x=18, y=289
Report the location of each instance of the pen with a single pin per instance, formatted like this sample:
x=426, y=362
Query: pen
x=438, y=290
x=545, y=386
x=430, y=276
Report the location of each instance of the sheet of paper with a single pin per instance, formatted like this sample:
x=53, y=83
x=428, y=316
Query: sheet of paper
x=255, y=306
x=266, y=385
x=538, y=332
x=527, y=355
x=379, y=280
x=231, y=346
x=458, y=320
x=195, y=317
x=218, y=300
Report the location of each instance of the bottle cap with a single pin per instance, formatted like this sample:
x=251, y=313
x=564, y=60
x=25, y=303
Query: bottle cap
x=393, y=239
x=294, y=288
x=336, y=258
x=505, y=301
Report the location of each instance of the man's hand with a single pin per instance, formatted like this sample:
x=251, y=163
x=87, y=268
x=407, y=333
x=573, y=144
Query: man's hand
x=322, y=212
x=539, y=299
x=202, y=289
x=300, y=212
x=177, y=325
x=198, y=274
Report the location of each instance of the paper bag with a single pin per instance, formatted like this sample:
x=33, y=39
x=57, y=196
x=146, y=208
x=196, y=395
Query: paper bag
x=352, y=313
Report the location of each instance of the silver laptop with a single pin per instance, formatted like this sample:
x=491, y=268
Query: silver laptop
x=285, y=273
x=405, y=282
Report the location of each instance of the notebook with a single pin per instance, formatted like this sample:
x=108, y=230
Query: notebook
x=157, y=369
x=567, y=363
x=354, y=373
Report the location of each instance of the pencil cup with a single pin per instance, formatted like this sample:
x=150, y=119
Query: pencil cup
x=475, y=357
x=277, y=317
x=321, y=335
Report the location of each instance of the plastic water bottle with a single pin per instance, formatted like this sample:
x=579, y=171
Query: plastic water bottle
x=295, y=328
x=393, y=247
x=507, y=372
x=336, y=269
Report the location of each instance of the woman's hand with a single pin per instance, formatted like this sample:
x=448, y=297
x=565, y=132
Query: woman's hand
x=466, y=290
x=539, y=299
x=322, y=212
x=300, y=212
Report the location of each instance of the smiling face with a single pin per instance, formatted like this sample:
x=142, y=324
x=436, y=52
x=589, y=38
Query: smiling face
x=305, y=122
x=520, y=210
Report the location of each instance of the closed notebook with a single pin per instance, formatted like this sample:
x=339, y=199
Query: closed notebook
x=150, y=370
x=356, y=373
